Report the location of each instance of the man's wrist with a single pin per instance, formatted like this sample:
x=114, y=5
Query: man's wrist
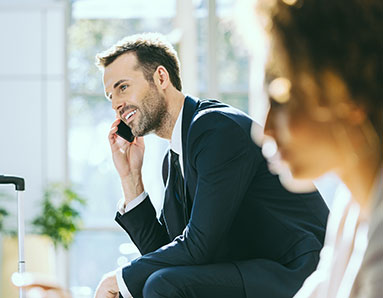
x=123, y=208
x=132, y=187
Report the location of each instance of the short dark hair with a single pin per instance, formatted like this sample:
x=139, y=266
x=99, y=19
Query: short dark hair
x=343, y=36
x=151, y=50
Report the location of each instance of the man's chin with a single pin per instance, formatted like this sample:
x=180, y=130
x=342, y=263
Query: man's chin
x=136, y=133
x=140, y=132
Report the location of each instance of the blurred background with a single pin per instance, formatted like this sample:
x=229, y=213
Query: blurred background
x=54, y=121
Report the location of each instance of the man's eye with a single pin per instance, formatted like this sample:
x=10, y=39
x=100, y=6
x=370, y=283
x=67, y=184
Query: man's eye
x=123, y=87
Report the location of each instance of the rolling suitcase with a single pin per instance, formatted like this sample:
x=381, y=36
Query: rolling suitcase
x=19, y=187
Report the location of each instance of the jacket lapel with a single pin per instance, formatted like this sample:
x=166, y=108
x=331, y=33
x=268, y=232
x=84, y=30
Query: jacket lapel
x=190, y=106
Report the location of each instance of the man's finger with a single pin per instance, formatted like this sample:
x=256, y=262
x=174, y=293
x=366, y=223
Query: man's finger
x=116, y=122
x=113, y=130
x=139, y=141
x=112, y=135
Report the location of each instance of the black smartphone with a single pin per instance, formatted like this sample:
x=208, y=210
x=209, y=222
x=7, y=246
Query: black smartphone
x=125, y=132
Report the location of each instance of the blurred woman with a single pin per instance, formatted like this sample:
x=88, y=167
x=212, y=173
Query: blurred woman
x=324, y=79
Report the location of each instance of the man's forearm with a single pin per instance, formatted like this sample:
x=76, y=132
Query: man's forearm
x=143, y=227
x=132, y=187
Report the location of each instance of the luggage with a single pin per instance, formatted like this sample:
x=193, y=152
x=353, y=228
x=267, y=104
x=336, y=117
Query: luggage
x=19, y=187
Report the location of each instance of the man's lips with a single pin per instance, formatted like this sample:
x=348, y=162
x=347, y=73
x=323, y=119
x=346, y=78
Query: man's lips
x=128, y=115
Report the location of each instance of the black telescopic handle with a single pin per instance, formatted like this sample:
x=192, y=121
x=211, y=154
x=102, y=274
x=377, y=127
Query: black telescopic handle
x=17, y=181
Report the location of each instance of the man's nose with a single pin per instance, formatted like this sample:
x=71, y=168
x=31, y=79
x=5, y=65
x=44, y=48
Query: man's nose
x=117, y=106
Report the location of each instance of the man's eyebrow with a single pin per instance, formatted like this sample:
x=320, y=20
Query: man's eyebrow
x=109, y=95
x=118, y=83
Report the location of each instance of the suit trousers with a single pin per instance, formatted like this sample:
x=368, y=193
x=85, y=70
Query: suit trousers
x=225, y=281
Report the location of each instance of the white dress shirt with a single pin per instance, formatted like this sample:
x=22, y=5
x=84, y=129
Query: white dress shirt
x=345, y=249
x=342, y=253
x=175, y=145
x=369, y=281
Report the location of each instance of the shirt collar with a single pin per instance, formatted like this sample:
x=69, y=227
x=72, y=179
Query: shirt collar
x=176, y=140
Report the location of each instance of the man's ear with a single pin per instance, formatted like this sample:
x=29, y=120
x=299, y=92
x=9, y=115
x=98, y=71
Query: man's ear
x=161, y=77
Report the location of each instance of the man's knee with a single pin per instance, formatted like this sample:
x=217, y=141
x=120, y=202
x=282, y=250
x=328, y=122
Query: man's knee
x=162, y=283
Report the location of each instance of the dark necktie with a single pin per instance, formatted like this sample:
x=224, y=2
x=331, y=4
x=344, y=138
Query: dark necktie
x=178, y=182
x=175, y=211
x=176, y=175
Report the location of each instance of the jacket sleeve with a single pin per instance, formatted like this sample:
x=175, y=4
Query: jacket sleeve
x=220, y=153
x=146, y=231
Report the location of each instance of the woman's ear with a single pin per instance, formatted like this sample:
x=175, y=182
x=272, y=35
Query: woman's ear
x=357, y=114
x=340, y=101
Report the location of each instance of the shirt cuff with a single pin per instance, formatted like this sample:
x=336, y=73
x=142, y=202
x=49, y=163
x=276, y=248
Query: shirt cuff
x=131, y=205
x=123, y=289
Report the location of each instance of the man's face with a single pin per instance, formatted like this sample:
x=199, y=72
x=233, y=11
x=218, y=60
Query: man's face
x=136, y=101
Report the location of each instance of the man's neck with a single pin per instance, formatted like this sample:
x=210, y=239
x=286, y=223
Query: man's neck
x=175, y=101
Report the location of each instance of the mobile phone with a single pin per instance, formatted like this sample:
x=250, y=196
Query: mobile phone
x=125, y=132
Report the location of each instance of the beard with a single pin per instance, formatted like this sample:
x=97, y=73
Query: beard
x=153, y=113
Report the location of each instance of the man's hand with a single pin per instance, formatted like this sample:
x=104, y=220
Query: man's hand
x=128, y=159
x=108, y=287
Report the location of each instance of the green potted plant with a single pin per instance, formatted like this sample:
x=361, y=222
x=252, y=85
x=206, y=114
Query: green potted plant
x=56, y=225
x=3, y=214
x=6, y=228
x=60, y=218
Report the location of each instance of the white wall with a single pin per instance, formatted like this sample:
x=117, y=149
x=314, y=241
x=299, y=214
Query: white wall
x=33, y=94
x=33, y=101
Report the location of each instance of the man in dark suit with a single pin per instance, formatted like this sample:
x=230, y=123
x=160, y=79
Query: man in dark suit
x=228, y=228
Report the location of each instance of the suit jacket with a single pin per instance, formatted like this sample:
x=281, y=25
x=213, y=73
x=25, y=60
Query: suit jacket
x=239, y=211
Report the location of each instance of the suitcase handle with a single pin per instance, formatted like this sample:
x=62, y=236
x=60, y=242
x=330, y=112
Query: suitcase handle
x=17, y=181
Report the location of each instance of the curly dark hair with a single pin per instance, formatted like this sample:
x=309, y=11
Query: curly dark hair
x=151, y=50
x=344, y=36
